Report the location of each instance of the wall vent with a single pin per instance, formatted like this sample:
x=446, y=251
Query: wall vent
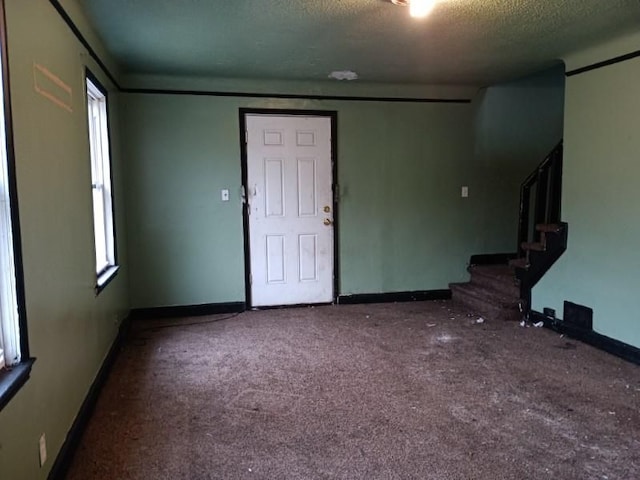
x=578, y=316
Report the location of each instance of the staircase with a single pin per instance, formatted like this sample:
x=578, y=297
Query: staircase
x=504, y=291
x=539, y=256
x=493, y=292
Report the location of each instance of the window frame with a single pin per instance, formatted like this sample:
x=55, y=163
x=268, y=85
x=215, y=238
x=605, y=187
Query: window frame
x=14, y=377
x=109, y=271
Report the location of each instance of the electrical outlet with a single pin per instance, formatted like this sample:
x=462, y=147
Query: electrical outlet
x=464, y=192
x=43, y=449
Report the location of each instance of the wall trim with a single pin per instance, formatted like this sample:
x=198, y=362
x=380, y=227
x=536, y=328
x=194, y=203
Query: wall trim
x=187, y=310
x=414, y=296
x=161, y=91
x=601, y=342
x=72, y=441
x=604, y=63
x=294, y=96
x=85, y=43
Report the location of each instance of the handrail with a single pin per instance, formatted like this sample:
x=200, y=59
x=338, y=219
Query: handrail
x=542, y=237
x=545, y=182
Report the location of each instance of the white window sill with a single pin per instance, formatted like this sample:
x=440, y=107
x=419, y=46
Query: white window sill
x=105, y=277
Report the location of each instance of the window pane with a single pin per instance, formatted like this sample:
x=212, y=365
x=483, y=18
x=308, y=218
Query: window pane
x=100, y=177
x=9, y=326
x=99, y=232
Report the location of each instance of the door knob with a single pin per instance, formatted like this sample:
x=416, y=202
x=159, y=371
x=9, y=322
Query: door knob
x=327, y=222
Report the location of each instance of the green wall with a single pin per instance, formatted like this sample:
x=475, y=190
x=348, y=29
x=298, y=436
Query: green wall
x=516, y=125
x=600, y=195
x=70, y=329
x=403, y=225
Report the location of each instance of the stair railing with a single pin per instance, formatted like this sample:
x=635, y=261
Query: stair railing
x=542, y=193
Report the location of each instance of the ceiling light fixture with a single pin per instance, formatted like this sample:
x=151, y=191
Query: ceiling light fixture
x=417, y=8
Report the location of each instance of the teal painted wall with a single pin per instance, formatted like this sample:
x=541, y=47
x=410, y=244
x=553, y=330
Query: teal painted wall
x=186, y=244
x=600, y=197
x=516, y=125
x=403, y=225
x=70, y=329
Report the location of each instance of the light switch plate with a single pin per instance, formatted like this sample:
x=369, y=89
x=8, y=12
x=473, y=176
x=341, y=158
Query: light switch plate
x=224, y=195
x=465, y=192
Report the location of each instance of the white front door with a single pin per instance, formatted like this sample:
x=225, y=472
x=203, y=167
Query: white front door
x=290, y=206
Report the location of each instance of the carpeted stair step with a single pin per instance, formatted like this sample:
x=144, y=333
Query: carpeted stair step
x=486, y=302
x=519, y=263
x=497, y=277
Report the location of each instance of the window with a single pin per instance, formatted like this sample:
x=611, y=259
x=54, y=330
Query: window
x=101, y=182
x=15, y=363
x=10, y=338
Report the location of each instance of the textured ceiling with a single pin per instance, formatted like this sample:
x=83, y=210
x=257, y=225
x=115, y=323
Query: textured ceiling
x=477, y=42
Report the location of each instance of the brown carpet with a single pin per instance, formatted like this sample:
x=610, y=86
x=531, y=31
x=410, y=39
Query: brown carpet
x=394, y=391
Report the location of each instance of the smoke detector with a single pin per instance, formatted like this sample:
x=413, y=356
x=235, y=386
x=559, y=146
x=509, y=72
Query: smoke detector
x=343, y=75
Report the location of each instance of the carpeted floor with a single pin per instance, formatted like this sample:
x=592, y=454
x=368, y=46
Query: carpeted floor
x=392, y=391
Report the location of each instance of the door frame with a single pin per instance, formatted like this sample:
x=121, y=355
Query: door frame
x=335, y=190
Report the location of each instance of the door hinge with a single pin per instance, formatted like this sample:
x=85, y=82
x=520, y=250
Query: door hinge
x=246, y=136
x=250, y=279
